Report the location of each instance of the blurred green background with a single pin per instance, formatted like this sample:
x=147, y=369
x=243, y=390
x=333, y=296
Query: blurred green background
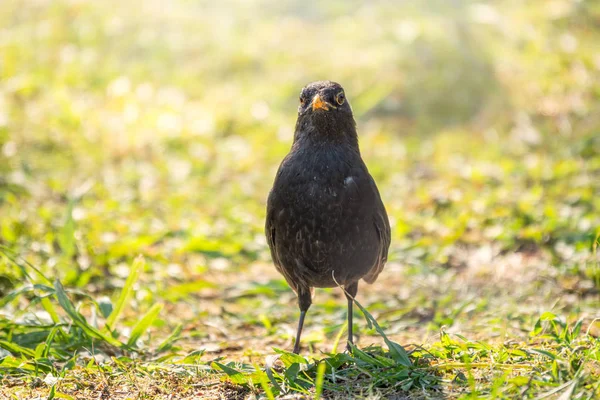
x=155, y=128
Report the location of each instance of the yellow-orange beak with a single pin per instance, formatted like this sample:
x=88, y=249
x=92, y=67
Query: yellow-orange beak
x=318, y=104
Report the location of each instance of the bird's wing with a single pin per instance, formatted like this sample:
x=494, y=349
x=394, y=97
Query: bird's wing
x=382, y=226
x=270, y=232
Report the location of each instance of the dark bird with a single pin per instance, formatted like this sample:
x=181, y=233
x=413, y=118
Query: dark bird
x=326, y=224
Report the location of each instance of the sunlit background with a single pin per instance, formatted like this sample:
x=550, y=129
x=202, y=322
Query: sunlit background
x=155, y=128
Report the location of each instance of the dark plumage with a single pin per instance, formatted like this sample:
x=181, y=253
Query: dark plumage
x=326, y=222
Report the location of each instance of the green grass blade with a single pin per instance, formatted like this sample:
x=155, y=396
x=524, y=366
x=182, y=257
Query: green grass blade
x=338, y=337
x=358, y=354
x=233, y=374
x=396, y=351
x=50, y=339
x=49, y=308
x=168, y=342
x=264, y=384
x=16, y=349
x=126, y=293
x=13, y=294
x=288, y=358
x=66, y=238
x=319, y=380
x=12, y=256
x=52, y=393
x=143, y=324
x=60, y=395
x=78, y=319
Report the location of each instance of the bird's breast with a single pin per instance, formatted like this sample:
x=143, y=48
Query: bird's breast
x=323, y=205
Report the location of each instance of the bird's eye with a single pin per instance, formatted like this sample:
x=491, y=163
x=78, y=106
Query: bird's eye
x=340, y=98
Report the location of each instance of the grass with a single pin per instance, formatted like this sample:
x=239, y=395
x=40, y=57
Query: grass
x=138, y=141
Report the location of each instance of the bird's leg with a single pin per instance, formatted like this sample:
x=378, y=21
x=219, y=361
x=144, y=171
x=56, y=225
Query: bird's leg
x=299, y=332
x=350, y=292
x=304, y=302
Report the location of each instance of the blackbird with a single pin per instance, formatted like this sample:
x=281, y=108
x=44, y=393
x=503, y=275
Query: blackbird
x=326, y=224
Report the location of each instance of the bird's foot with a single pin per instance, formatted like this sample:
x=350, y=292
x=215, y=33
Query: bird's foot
x=296, y=349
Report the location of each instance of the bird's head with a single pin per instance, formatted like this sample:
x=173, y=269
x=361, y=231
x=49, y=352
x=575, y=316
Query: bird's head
x=323, y=97
x=325, y=111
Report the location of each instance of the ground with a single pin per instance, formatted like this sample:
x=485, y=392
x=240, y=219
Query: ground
x=138, y=142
